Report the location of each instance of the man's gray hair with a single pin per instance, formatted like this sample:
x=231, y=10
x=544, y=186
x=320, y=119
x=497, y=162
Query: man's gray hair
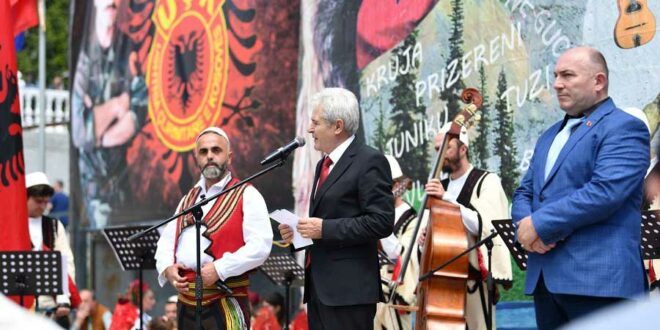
x=338, y=103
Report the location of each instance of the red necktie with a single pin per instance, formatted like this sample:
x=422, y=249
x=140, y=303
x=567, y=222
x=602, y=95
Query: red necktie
x=325, y=170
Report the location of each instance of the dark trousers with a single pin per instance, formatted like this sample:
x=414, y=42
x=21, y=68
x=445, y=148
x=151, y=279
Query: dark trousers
x=323, y=317
x=554, y=310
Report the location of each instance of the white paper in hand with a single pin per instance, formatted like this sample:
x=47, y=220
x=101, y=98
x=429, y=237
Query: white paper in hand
x=290, y=219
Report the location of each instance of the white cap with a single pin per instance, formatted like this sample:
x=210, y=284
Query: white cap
x=216, y=130
x=639, y=114
x=172, y=299
x=463, y=136
x=394, y=167
x=35, y=179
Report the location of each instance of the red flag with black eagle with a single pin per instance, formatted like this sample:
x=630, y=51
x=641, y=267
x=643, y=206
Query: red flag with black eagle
x=15, y=16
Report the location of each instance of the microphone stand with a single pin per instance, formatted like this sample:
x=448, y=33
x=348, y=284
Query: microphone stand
x=488, y=240
x=288, y=279
x=197, y=213
x=490, y=284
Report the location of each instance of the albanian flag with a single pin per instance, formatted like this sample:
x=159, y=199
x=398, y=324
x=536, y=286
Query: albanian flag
x=14, y=234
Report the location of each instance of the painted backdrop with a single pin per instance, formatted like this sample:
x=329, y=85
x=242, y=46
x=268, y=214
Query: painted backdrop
x=408, y=61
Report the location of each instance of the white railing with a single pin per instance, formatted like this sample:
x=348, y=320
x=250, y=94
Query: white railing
x=57, y=108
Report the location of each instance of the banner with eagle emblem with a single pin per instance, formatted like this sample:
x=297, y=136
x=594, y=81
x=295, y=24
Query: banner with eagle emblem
x=148, y=76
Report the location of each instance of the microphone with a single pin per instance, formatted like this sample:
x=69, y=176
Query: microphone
x=284, y=151
x=222, y=286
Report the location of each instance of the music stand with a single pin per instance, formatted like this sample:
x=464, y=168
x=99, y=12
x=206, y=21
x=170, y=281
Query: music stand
x=137, y=254
x=651, y=234
x=33, y=273
x=507, y=232
x=282, y=269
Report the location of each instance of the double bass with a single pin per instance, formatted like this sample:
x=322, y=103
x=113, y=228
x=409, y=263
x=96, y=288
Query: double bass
x=441, y=297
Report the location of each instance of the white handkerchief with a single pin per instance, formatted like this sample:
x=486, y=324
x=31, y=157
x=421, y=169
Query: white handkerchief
x=288, y=218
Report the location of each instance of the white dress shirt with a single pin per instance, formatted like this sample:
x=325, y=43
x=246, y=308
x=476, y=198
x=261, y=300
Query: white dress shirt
x=339, y=151
x=257, y=234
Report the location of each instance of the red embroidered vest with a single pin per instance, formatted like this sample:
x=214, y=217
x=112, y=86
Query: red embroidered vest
x=224, y=228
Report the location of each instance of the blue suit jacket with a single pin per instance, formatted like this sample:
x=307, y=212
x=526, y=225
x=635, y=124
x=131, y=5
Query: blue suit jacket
x=589, y=206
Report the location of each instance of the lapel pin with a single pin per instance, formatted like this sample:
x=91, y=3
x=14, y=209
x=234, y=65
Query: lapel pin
x=589, y=123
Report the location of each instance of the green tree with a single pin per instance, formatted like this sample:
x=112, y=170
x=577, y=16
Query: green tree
x=406, y=113
x=451, y=94
x=57, y=44
x=383, y=131
x=505, y=141
x=481, y=149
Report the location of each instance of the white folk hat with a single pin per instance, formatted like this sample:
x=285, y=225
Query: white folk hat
x=394, y=167
x=35, y=179
x=216, y=130
x=463, y=136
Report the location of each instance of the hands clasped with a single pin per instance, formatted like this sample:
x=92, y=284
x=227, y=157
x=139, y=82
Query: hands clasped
x=529, y=239
x=180, y=283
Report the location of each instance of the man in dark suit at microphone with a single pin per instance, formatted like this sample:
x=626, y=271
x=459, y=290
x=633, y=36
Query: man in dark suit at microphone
x=236, y=237
x=351, y=209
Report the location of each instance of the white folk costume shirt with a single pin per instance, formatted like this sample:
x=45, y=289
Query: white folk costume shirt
x=61, y=244
x=470, y=218
x=391, y=245
x=492, y=205
x=36, y=236
x=257, y=234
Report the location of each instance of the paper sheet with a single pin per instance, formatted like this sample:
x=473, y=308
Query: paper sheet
x=288, y=218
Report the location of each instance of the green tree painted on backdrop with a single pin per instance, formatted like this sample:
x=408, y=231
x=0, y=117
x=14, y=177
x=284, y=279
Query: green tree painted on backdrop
x=383, y=131
x=451, y=94
x=505, y=141
x=57, y=45
x=406, y=113
x=481, y=149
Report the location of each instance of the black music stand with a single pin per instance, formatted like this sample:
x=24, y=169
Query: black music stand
x=33, y=273
x=133, y=255
x=650, y=240
x=282, y=269
x=507, y=232
x=651, y=234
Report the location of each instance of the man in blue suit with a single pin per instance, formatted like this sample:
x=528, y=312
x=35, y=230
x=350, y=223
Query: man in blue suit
x=577, y=209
